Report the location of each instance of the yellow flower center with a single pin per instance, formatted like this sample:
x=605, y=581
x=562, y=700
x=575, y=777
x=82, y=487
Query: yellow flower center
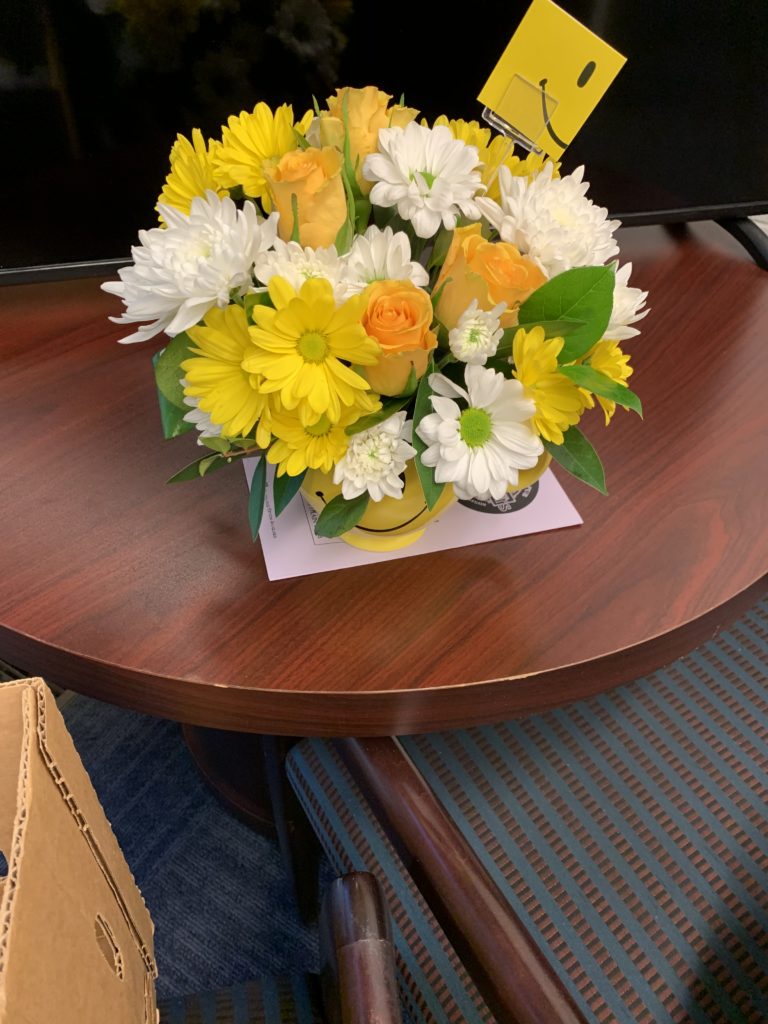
x=475, y=427
x=313, y=346
x=321, y=428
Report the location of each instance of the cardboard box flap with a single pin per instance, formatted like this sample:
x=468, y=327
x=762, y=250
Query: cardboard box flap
x=75, y=935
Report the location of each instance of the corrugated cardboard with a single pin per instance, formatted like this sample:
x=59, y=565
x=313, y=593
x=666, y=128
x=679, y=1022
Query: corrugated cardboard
x=75, y=935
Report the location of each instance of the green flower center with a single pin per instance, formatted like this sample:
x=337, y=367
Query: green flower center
x=474, y=336
x=320, y=428
x=475, y=427
x=313, y=346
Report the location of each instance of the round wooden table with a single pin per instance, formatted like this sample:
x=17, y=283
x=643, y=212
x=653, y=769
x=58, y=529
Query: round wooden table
x=154, y=598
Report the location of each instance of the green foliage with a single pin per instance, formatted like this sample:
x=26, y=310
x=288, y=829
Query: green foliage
x=584, y=293
x=200, y=467
x=216, y=444
x=579, y=458
x=168, y=372
x=285, y=488
x=340, y=515
x=255, y=299
x=601, y=385
x=388, y=408
x=295, y=215
x=440, y=248
x=432, y=490
x=256, y=497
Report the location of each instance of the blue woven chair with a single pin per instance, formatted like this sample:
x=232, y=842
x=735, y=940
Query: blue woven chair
x=627, y=833
x=356, y=985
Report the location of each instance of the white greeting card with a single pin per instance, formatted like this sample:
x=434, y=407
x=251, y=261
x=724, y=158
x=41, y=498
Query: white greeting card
x=291, y=548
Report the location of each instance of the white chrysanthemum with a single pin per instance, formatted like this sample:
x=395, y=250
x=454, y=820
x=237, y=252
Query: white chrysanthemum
x=201, y=420
x=375, y=459
x=551, y=220
x=297, y=265
x=198, y=261
x=479, y=448
x=427, y=174
x=627, y=307
x=477, y=334
x=382, y=256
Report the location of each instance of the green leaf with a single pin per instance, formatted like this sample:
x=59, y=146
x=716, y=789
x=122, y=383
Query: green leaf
x=168, y=372
x=579, y=458
x=256, y=497
x=584, y=293
x=216, y=444
x=362, y=215
x=315, y=104
x=599, y=384
x=253, y=299
x=340, y=515
x=440, y=248
x=198, y=468
x=349, y=169
x=431, y=489
x=295, y=214
x=552, y=329
x=172, y=418
x=284, y=489
x=438, y=294
x=389, y=408
x=301, y=142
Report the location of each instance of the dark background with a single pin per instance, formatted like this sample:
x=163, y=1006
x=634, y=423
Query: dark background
x=93, y=92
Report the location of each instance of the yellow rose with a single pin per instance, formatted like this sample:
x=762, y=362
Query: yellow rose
x=367, y=112
x=398, y=316
x=491, y=272
x=314, y=177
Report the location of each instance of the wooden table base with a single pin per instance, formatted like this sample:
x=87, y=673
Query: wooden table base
x=246, y=771
x=232, y=764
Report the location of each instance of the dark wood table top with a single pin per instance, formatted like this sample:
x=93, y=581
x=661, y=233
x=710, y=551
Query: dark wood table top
x=154, y=597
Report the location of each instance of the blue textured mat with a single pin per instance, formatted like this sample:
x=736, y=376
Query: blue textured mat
x=216, y=890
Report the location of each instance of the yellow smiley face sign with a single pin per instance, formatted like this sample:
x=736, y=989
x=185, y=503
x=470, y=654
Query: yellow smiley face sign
x=550, y=78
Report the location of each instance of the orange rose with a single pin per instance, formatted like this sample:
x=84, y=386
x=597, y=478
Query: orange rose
x=491, y=272
x=314, y=177
x=398, y=316
x=367, y=112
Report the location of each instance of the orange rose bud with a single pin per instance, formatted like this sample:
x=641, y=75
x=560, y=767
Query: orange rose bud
x=368, y=111
x=398, y=316
x=314, y=177
x=491, y=272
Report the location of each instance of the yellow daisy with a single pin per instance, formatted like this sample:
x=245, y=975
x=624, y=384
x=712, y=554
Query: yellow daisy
x=316, y=446
x=607, y=357
x=494, y=152
x=559, y=402
x=251, y=140
x=231, y=396
x=300, y=345
x=191, y=172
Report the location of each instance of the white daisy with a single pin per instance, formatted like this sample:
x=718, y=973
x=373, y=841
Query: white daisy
x=198, y=261
x=479, y=448
x=375, y=459
x=427, y=174
x=382, y=256
x=477, y=334
x=627, y=307
x=551, y=220
x=297, y=265
x=201, y=420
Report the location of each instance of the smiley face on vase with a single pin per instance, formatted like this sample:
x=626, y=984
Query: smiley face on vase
x=550, y=78
x=387, y=524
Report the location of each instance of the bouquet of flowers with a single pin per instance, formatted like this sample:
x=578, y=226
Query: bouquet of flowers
x=364, y=298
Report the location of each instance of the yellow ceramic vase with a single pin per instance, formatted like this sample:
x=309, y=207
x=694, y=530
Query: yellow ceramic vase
x=388, y=524
x=526, y=477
